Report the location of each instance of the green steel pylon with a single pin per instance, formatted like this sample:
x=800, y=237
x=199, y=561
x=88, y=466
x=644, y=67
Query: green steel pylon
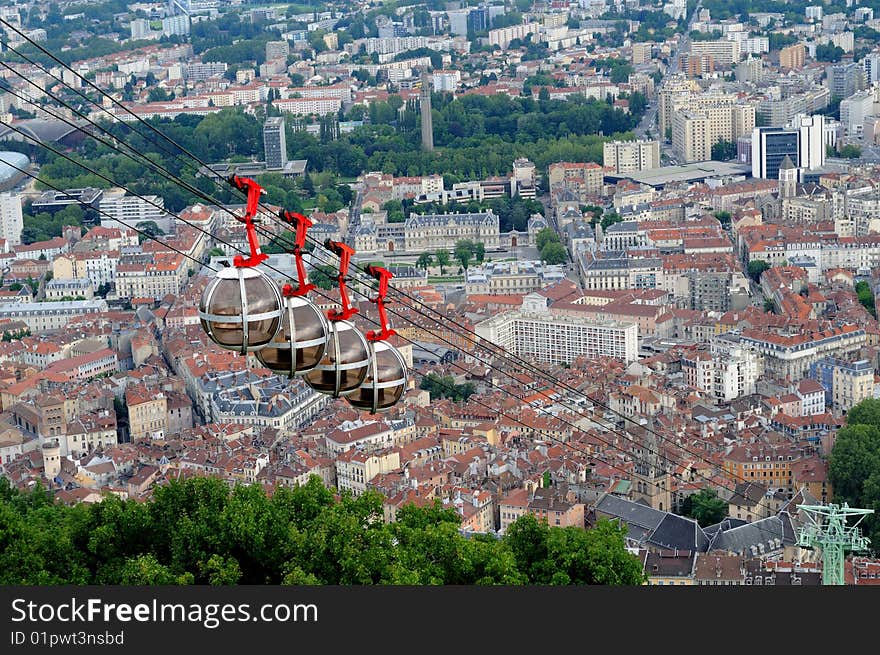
x=829, y=532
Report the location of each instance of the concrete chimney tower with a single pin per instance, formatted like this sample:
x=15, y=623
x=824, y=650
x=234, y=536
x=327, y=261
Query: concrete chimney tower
x=425, y=111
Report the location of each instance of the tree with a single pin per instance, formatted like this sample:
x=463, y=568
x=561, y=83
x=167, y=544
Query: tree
x=854, y=465
x=724, y=151
x=554, y=253
x=756, y=268
x=705, y=506
x=443, y=259
x=610, y=219
x=829, y=52
x=545, y=236
x=424, y=261
x=866, y=296
x=850, y=151
x=480, y=251
x=148, y=230
x=723, y=217
x=216, y=252
x=464, y=252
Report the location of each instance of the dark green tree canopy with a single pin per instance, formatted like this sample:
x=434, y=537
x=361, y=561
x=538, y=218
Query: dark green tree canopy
x=202, y=532
x=854, y=466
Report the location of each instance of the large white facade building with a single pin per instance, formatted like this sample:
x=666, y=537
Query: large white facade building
x=538, y=333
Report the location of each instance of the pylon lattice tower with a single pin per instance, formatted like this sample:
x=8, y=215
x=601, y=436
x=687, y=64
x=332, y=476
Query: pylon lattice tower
x=828, y=530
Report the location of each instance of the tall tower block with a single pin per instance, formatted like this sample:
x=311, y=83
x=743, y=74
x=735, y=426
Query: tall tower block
x=425, y=111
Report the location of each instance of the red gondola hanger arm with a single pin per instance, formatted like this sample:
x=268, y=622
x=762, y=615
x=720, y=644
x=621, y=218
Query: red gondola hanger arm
x=383, y=275
x=301, y=225
x=253, y=191
x=344, y=252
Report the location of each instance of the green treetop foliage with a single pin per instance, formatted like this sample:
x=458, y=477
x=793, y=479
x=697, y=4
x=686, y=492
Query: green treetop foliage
x=756, y=268
x=610, y=219
x=466, y=250
x=850, y=151
x=705, y=507
x=45, y=226
x=866, y=296
x=854, y=465
x=443, y=260
x=202, y=532
x=554, y=253
x=545, y=236
x=724, y=151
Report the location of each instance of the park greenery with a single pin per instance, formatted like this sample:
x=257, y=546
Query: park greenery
x=202, y=532
x=724, y=151
x=854, y=466
x=467, y=250
x=446, y=387
x=866, y=296
x=475, y=137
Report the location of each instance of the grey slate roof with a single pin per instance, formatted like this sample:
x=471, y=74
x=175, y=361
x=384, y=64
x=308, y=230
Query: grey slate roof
x=654, y=527
x=757, y=538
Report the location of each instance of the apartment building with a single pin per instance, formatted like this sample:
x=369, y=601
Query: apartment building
x=511, y=277
x=765, y=465
x=789, y=356
x=131, y=210
x=11, y=222
x=722, y=51
x=306, y=106
x=631, y=156
x=537, y=332
x=792, y=56
x=48, y=316
x=846, y=384
x=615, y=270
x=582, y=179
x=356, y=468
x=152, y=275
x=147, y=413
x=699, y=122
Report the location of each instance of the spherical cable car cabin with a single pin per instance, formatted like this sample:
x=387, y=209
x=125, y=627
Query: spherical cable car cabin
x=302, y=340
x=241, y=308
x=386, y=379
x=346, y=359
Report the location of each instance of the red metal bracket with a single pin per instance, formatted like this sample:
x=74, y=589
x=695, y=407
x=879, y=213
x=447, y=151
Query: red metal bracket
x=383, y=275
x=301, y=225
x=344, y=252
x=253, y=191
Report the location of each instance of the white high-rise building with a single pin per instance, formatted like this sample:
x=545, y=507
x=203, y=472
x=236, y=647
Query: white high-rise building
x=140, y=29
x=811, y=141
x=631, y=156
x=178, y=25
x=10, y=218
x=871, y=62
x=854, y=110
